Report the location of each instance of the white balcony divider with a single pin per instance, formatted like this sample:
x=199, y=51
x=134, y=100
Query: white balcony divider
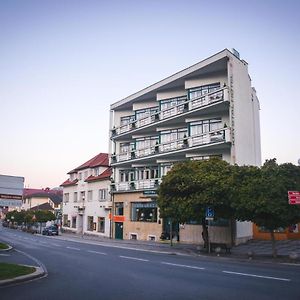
x=213, y=97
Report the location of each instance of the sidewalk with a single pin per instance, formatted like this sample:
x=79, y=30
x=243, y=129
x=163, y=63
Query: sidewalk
x=259, y=249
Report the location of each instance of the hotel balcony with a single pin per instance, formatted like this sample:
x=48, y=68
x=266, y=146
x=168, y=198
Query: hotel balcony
x=138, y=185
x=204, y=141
x=210, y=103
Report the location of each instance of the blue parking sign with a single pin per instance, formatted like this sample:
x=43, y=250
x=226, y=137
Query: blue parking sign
x=209, y=213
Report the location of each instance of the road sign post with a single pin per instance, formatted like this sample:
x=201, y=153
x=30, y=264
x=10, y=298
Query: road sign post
x=209, y=216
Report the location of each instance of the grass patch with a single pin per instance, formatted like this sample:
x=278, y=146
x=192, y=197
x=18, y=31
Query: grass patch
x=8, y=271
x=3, y=246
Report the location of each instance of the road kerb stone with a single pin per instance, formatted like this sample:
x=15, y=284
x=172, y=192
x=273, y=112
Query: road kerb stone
x=39, y=272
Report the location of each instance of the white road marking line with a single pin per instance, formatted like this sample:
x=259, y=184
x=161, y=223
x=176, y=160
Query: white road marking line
x=133, y=258
x=183, y=266
x=56, y=245
x=291, y=264
x=73, y=248
x=96, y=252
x=4, y=254
x=258, y=276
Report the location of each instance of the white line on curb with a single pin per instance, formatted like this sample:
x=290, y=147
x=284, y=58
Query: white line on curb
x=73, y=248
x=133, y=258
x=183, y=266
x=96, y=252
x=258, y=276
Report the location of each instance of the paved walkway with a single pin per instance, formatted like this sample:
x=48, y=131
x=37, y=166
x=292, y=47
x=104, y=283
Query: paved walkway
x=260, y=249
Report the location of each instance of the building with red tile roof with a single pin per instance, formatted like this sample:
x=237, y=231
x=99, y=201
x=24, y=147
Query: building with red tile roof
x=86, y=197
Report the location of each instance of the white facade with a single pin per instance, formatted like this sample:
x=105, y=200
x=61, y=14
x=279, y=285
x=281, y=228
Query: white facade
x=86, y=200
x=208, y=109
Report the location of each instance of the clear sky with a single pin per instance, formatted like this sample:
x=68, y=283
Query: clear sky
x=62, y=63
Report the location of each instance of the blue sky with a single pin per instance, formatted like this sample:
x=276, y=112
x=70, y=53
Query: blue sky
x=62, y=63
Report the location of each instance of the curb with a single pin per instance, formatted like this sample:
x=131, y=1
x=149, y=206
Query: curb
x=8, y=249
x=39, y=272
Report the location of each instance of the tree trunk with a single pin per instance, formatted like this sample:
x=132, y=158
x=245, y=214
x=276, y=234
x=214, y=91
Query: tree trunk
x=274, y=250
x=205, y=234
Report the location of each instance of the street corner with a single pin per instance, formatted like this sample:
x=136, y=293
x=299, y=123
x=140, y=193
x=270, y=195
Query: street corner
x=38, y=273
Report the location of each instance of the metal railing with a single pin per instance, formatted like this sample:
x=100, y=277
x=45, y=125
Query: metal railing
x=188, y=105
x=216, y=136
x=137, y=185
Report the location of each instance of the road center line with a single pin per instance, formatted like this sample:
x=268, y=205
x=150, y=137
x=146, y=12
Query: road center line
x=183, y=266
x=4, y=254
x=258, y=276
x=56, y=245
x=96, y=252
x=133, y=258
x=73, y=248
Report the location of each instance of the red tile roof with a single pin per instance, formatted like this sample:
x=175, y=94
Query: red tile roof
x=100, y=159
x=68, y=182
x=28, y=192
x=103, y=176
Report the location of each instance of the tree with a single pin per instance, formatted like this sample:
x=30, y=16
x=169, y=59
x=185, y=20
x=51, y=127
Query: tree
x=191, y=186
x=262, y=196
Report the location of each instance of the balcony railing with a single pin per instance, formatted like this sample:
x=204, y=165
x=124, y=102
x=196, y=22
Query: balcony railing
x=137, y=185
x=189, y=105
x=216, y=136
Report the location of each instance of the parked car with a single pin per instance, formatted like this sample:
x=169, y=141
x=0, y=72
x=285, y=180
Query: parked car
x=50, y=230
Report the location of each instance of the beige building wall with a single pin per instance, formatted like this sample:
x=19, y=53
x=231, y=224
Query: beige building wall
x=143, y=230
x=193, y=234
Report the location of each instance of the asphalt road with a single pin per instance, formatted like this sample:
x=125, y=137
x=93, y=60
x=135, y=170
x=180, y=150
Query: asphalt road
x=87, y=271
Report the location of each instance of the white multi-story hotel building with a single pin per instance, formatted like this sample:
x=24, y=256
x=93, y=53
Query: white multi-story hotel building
x=208, y=109
x=86, y=198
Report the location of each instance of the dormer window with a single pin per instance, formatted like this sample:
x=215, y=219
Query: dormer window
x=97, y=171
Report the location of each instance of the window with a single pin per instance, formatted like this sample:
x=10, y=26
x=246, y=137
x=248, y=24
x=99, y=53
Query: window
x=102, y=194
x=96, y=171
x=133, y=236
x=119, y=209
x=80, y=176
x=205, y=126
x=66, y=197
x=90, y=223
x=147, y=173
x=165, y=168
x=126, y=147
x=143, y=113
x=86, y=174
x=144, y=211
x=90, y=195
x=167, y=136
x=127, y=175
x=73, y=222
x=101, y=224
x=82, y=196
x=75, y=196
x=151, y=237
x=169, y=103
x=127, y=119
x=147, y=142
x=65, y=221
x=203, y=90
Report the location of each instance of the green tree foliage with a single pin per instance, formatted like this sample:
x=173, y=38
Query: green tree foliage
x=191, y=186
x=30, y=217
x=43, y=216
x=262, y=195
